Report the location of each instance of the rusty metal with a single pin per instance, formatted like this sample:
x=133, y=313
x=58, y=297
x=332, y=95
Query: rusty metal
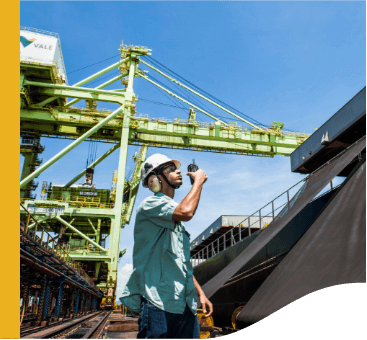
x=41, y=267
x=96, y=330
x=58, y=327
x=41, y=300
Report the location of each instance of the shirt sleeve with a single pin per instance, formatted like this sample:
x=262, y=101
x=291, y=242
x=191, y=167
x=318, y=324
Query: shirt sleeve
x=160, y=210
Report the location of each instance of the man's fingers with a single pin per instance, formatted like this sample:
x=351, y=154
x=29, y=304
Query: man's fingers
x=210, y=305
x=204, y=306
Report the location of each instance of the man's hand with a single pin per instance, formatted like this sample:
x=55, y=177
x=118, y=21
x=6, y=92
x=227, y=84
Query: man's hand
x=206, y=305
x=198, y=176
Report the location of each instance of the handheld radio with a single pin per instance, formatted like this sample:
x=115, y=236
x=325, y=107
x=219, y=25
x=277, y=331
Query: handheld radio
x=192, y=168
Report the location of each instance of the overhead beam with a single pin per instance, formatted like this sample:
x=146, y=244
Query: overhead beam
x=102, y=86
x=116, y=97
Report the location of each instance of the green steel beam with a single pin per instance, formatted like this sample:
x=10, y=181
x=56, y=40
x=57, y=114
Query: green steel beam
x=200, y=95
x=170, y=134
x=74, y=101
x=97, y=268
x=129, y=87
x=100, y=73
x=70, y=147
x=116, y=97
x=135, y=183
x=102, y=86
x=22, y=74
x=29, y=159
x=106, y=96
x=115, y=231
x=178, y=97
x=45, y=102
x=95, y=163
x=79, y=233
x=89, y=257
x=98, y=237
x=91, y=224
x=38, y=221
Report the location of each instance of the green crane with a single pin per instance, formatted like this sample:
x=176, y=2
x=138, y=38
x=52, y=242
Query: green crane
x=86, y=216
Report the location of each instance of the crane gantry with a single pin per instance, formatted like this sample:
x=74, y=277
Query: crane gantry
x=84, y=214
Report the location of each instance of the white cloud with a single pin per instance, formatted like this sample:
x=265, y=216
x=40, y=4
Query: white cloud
x=122, y=278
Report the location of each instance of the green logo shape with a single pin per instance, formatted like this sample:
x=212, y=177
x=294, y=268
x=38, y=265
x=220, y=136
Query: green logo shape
x=25, y=42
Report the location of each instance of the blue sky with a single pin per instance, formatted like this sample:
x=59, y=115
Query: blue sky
x=293, y=62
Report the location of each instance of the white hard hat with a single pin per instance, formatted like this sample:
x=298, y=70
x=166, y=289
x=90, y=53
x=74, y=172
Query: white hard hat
x=152, y=163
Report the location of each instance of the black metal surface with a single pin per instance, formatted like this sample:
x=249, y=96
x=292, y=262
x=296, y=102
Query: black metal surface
x=344, y=128
x=332, y=252
x=282, y=242
x=314, y=185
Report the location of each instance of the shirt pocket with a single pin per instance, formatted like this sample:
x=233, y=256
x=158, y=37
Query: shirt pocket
x=173, y=243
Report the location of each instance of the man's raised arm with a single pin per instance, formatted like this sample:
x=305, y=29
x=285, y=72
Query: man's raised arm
x=186, y=209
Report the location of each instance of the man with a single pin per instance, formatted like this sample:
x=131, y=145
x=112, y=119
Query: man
x=162, y=287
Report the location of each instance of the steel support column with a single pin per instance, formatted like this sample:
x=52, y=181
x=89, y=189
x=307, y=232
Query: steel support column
x=41, y=302
x=82, y=303
x=70, y=302
x=47, y=299
x=59, y=298
x=77, y=299
x=29, y=159
x=116, y=221
x=34, y=304
x=25, y=297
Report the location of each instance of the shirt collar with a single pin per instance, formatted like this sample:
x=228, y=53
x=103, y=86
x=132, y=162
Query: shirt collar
x=161, y=194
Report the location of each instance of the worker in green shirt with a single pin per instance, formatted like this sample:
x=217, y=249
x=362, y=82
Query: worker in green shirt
x=162, y=287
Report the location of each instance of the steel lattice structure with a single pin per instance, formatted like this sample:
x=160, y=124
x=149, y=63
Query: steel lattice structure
x=88, y=220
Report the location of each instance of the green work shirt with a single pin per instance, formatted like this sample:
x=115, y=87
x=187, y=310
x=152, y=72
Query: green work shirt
x=162, y=271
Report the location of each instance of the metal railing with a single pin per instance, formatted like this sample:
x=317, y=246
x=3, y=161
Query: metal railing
x=279, y=205
x=79, y=203
x=60, y=250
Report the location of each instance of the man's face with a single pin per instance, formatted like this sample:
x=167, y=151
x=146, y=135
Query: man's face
x=173, y=175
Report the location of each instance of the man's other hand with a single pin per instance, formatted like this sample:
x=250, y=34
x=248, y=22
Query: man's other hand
x=198, y=176
x=206, y=305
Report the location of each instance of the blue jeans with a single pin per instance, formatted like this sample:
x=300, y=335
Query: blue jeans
x=156, y=323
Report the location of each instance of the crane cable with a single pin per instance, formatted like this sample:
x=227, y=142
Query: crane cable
x=152, y=60
x=157, y=63
x=117, y=55
x=191, y=97
x=201, y=90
